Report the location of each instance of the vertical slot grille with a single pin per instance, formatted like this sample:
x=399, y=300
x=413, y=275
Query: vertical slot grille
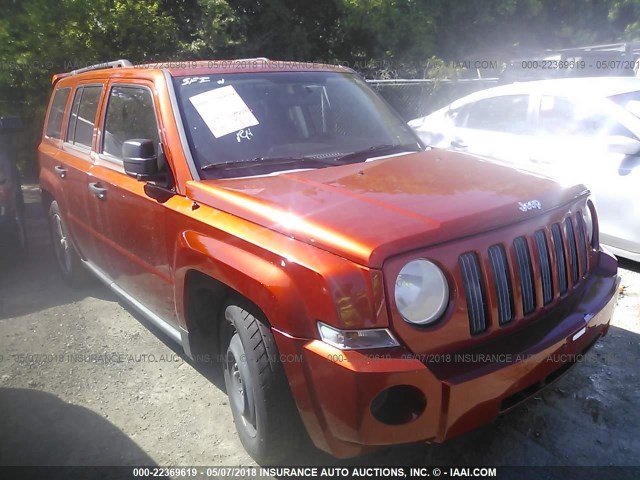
x=526, y=275
x=558, y=254
x=472, y=280
x=582, y=238
x=545, y=266
x=560, y=260
x=502, y=281
x=573, y=253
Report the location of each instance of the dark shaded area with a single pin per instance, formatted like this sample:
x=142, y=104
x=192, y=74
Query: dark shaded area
x=37, y=271
x=40, y=429
x=628, y=265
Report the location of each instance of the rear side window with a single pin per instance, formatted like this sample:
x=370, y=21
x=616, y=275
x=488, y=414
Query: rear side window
x=563, y=116
x=83, y=115
x=56, y=113
x=501, y=114
x=130, y=114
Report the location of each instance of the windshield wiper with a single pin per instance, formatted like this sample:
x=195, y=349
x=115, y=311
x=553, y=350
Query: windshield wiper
x=308, y=161
x=390, y=148
x=248, y=162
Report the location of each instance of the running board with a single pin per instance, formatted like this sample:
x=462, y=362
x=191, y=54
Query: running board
x=149, y=315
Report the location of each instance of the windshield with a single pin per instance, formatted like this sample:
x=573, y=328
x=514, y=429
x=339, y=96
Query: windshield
x=258, y=123
x=629, y=101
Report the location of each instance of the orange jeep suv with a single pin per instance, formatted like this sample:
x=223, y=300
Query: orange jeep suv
x=281, y=218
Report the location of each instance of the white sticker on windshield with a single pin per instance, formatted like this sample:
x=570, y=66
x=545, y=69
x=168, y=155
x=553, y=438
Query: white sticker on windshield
x=223, y=110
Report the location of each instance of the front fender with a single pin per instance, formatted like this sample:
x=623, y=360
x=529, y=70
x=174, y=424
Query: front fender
x=293, y=284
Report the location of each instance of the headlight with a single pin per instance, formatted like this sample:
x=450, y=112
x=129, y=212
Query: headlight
x=587, y=215
x=356, y=339
x=421, y=293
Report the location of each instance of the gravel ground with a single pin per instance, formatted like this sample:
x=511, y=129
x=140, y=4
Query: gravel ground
x=65, y=401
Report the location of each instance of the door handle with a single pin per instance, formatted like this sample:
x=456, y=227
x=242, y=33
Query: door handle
x=458, y=143
x=98, y=191
x=60, y=171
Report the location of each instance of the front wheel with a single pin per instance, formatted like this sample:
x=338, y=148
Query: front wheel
x=263, y=410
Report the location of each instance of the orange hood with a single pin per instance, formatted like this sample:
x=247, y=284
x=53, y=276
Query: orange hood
x=369, y=211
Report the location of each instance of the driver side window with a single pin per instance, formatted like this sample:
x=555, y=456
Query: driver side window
x=507, y=113
x=130, y=114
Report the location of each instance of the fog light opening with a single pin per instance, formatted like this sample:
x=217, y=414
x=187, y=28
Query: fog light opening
x=398, y=405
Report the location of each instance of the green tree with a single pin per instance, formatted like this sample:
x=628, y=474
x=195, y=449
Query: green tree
x=505, y=27
x=399, y=35
x=39, y=38
x=285, y=29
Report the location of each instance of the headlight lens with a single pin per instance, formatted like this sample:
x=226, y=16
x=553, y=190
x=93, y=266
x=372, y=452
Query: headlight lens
x=356, y=339
x=422, y=292
x=587, y=215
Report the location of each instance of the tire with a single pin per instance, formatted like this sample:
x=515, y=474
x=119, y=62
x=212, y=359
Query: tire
x=67, y=258
x=264, y=413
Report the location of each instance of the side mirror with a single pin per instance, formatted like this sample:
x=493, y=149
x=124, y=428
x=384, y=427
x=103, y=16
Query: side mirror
x=623, y=145
x=139, y=159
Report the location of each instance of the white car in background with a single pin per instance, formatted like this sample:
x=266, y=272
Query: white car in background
x=576, y=129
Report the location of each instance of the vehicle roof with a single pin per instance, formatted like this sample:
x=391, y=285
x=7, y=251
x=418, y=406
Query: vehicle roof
x=570, y=87
x=179, y=68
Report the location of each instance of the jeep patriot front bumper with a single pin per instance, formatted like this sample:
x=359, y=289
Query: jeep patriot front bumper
x=352, y=401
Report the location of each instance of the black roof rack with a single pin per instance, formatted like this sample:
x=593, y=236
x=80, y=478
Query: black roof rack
x=100, y=66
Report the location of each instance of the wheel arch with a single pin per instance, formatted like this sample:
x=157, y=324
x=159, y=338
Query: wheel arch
x=204, y=300
x=208, y=272
x=289, y=284
x=46, y=198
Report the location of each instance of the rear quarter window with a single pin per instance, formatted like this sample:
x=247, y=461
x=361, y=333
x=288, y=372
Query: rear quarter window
x=56, y=113
x=563, y=116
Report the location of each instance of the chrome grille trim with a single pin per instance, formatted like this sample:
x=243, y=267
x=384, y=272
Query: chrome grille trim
x=526, y=275
x=573, y=253
x=545, y=266
x=535, y=265
x=584, y=245
x=502, y=280
x=560, y=260
x=471, y=277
